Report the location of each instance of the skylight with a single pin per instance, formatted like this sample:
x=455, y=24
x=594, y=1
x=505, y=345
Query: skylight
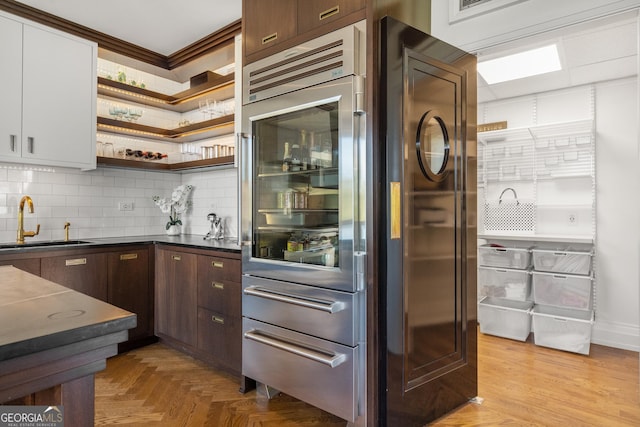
x=523, y=64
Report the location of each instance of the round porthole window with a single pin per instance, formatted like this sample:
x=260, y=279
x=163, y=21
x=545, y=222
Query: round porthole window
x=432, y=146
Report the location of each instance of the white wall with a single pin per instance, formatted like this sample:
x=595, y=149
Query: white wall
x=617, y=190
x=89, y=200
x=500, y=21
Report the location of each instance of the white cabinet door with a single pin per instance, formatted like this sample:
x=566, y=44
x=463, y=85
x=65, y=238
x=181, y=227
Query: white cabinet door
x=10, y=88
x=58, y=99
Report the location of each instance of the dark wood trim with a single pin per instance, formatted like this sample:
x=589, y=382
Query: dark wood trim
x=221, y=38
x=216, y=40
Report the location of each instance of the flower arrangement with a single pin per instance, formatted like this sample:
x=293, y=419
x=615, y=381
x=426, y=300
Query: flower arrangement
x=176, y=205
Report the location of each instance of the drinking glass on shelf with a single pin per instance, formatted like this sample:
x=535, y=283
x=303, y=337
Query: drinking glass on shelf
x=108, y=150
x=204, y=108
x=99, y=149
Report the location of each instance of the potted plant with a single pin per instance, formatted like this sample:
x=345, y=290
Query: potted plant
x=175, y=206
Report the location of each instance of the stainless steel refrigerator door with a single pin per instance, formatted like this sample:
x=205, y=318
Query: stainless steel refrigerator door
x=268, y=222
x=429, y=257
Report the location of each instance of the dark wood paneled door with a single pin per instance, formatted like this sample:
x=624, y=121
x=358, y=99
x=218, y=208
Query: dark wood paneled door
x=429, y=361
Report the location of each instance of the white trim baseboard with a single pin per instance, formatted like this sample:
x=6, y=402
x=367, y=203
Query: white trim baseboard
x=617, y=335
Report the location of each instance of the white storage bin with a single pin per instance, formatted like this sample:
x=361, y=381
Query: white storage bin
x=562, y=290
x=507, y=257
x=562, y=261
x=504, y=283
x=505, y=318
x=562, y=329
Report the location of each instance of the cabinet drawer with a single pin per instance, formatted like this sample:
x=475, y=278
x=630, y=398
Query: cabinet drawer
x=220, y=296
x=316, y=371
x=323, y=313
x=221, y=337
x=211, y=268
x=316, y=13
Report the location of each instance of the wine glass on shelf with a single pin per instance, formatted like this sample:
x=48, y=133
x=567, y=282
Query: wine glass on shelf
x=204, y=108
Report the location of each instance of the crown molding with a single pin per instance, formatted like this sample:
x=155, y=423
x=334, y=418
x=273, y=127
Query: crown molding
x=216, y=40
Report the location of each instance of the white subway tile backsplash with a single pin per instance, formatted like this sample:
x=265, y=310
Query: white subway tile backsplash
x=89, y=200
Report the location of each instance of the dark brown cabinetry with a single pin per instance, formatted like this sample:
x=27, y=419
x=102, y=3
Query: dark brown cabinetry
x=81, y=271
x=176, y=295
x=268, y=23
x=219, y=309
x=198, y=303
x=130, y=287
x=273, y=25
x=30, y=265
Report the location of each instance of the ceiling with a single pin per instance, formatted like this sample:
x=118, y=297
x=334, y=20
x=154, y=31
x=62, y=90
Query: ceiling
x=598, y=50
x=162, y=26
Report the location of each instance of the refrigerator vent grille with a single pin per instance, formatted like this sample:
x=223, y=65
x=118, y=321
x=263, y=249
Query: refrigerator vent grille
x=323, y=59
x=465, y=4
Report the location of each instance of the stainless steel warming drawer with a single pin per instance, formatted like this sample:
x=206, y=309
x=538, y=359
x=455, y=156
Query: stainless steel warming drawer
x=321, y=312
x=319, y=372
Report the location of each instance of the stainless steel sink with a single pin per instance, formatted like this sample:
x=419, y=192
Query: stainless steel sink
x=41, y=244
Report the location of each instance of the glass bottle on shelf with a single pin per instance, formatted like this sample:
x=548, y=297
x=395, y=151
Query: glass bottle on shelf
x=286, y=160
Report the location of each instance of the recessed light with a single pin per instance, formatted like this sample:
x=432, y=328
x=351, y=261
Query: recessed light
x=520, y=65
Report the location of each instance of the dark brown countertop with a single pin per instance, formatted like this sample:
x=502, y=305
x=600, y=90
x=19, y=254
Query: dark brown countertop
x=38, y=315
x=185, y=240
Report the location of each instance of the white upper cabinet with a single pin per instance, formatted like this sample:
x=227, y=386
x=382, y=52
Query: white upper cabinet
x=11, y=88
x=51, y=84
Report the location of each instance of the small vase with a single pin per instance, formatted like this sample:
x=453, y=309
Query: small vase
x=173, y=230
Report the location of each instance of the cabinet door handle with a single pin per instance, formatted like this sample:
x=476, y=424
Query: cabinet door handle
x=329, y=12
x=30, y=144
x=125, y=257
x=176, y=257
x=217, y=285
x=270, y=38
x=217, y=319
x=217, y=264
x=12, y=143
x=75, y=261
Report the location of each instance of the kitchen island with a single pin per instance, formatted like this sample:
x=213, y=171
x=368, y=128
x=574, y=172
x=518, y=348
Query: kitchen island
x=52, y=342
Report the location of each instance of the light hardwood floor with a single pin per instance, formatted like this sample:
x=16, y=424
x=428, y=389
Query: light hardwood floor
x=521, y=384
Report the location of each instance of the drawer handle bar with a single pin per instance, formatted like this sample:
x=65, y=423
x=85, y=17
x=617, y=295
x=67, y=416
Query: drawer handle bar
x=125, y=257
x=216, y=285
x=76, y=261
x=326, y=306
x=329, y=12
x=217, y=264
x=217, y=319
x=326, y=359
x=269, y=38
x=176, y=257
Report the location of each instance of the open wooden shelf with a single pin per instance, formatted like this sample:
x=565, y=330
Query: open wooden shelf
x=190, y=133
x=158, y=165
x=218, y=89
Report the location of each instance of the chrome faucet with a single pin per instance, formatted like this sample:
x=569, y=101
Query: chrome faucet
x=21, y=233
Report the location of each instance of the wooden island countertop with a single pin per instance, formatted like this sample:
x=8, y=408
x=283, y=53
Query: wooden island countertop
x=52, y=342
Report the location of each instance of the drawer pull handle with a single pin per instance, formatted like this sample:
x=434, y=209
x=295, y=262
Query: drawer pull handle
x=12, y=143
x=30, y=144
x=329, y=12
x=316, y=304
x=217, y=285
x=269, y=38
x=76, y=261
x=125, y=257
x=329, y=359
x=217, y=264
x=176, y=257
x=217, y=319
